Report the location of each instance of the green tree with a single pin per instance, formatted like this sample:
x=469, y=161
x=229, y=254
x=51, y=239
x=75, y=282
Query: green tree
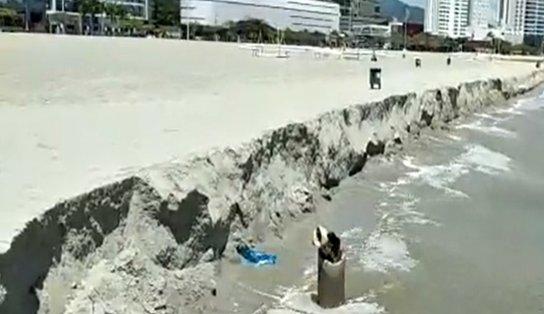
x=524, y=49
x=255, y=30
x=166, y=13
x=9, y=17
x=89, y=9
x=117, y=14
x=110, y=11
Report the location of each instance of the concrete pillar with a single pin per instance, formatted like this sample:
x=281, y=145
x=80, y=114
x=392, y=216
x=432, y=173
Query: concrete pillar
x=146, y=11
x=331, y=282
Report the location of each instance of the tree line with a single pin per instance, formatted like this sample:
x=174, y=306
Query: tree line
x=116, y=14
x=165, y=22
x=491, y=44
x=257, y=31
x=10, y=18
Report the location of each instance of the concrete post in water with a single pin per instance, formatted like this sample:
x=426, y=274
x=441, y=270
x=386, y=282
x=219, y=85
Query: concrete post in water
x=331, y=282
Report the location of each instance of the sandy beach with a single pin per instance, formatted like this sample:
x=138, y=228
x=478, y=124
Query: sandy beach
x=129, y=126
x=77, y=112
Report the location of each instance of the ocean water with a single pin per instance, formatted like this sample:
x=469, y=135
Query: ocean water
x=454, y=224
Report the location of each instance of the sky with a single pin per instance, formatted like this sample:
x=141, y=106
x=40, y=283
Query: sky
x=417, y=3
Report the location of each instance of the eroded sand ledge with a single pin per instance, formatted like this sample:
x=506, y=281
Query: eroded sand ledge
x=126, y=247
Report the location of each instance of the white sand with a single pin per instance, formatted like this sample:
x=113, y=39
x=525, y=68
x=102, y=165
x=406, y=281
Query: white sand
x=77, y=112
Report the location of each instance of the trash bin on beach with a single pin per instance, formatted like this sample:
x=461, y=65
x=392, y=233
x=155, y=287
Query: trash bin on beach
x=418, y=62
x=448, y=61
x=538, y=64
x=375, y=78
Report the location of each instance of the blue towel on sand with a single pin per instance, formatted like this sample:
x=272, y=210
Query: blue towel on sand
x=255, y=257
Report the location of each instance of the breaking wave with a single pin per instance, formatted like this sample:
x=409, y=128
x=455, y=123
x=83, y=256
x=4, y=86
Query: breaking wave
x=479, y=125
x=475, y=157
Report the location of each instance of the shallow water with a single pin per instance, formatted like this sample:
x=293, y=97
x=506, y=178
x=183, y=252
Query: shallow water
x=454, y=224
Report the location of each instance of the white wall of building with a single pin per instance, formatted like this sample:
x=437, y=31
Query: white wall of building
x=296, y=15
x=512, y=19
x=479, y=13
x=135, y=8
x=479, y=19
x=533, y=23
x=430, y=22
x=507, y=12
x=453, y=18
x=447, y=17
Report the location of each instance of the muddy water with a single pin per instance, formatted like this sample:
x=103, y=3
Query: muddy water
x=454, y=224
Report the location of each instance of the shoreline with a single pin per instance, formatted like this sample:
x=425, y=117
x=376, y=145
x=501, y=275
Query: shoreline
x=286, y=288
x=180, y=214
x=71, y=125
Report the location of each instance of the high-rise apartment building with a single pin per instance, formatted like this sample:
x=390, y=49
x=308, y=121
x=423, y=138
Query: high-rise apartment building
x=447, y=17
x=507, y=12
x=522, y=21
x=479, y=13
x=533, y=22
x=518, y=20
x=430, y=22
x=479, y=19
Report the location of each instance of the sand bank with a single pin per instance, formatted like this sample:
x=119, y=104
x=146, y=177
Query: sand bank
x=80, y=112
x=110, y=107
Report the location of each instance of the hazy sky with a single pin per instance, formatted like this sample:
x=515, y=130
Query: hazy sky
x=419, y=3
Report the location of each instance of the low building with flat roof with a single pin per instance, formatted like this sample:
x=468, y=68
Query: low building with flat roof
x=297, y=15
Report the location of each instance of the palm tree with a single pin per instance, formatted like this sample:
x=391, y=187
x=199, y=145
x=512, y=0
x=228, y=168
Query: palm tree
x=98, y=8
x=90, y=8
x=494, y=41
x=109, y=12
x=84, y=8
x=121, y=14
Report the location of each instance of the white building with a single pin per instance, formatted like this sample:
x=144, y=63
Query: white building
x=447, y=17
x=507, y=12
x=533, y=21
x=519, y=20
x=430, y=23
x=522, y=20
x=479, y=13
x=135, y=8
x=296, y=15
x=479, y=19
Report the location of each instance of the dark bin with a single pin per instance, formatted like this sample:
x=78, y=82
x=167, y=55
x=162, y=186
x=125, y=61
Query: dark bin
x=448, y=61
x=375, y=78
x=418, y=62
